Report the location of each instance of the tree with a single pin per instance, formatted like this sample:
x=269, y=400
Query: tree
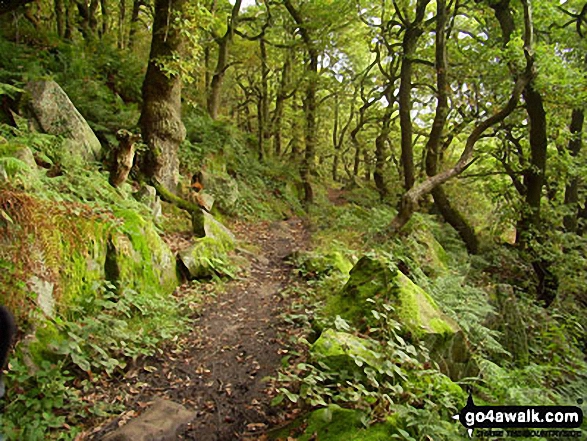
x=160, y=121
x=224, y=43
x=410, y=199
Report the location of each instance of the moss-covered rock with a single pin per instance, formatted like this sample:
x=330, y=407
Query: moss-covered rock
x=374, y=281
x=143, y=260
x=334, y=423
x=320, y=264
x=220, y=184
x=17, y=164
x=59, y=257
x=54, y=113
x=370, y=278
x=429, y=253
x=209, y=256
x=339, y=350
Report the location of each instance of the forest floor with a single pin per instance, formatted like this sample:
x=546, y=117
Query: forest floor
x=239, y=338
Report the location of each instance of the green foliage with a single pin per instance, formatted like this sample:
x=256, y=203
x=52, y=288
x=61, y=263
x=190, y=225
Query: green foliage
x=104, y=332
x=401, y=384
x=267, y=190
x=46, y=403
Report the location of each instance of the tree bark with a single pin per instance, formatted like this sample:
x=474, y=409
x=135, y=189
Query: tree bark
x=134, y=22
x=122, y=157
x=451, y=215
x=534, y=175
x=263, y=116
x=410, y=199
x=59, y=17
x=105, y=15
x=122, y=25
x=412, y=33
x=310, y=103
x=160, y=120
x=222, y=62
x=529, y=233
x=280, y=98
x=572, y=188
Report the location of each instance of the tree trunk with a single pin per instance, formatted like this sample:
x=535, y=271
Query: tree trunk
x=160, y=120
x=529, y=231
x=572, y=189
x=410, y=199
x=122, y=24
x=534, y=175
x=310, y=103
x=441, y=201
x=411, y=35
x=105, y=15
x=68, y=32
x=280, y=98
x=60, y=17
x=379, y=172
x=222, y=62
x=134, y=22
x=335, y=145
x=11, y=5
x=263, y=100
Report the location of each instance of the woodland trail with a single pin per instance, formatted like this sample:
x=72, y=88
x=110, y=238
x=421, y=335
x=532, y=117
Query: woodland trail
x=236, y=342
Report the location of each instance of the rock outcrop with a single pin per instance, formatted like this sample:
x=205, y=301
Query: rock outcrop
x=376, y=281
x=54, y=113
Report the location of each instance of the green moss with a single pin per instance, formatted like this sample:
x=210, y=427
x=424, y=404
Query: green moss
x=144, y=261
x=440, y=326
x=334, y=423
x=208, y=257
x=43, y=346
x=338, y=350
x=321, y=264
x=429, y=253
x=370, y=278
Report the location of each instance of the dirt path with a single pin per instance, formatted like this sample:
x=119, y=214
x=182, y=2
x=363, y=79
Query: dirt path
x=234, y=345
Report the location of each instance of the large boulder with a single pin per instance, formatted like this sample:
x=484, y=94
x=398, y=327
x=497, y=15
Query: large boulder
x=148, y=196
x=54, y=113
x=138, y=258
x=374, y=281
x=317, y=265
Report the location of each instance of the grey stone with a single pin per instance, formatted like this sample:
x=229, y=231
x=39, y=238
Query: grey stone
x=223, y=187
x=215, y=229
x=148, y=196
x=160, y=422
x=44, y=291
x=25, y=154
x=56, y=115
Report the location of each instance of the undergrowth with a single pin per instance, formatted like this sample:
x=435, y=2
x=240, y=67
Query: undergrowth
x=404, y=387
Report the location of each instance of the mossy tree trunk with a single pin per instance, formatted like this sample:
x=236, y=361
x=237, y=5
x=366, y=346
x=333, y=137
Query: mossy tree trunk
x=160, y=121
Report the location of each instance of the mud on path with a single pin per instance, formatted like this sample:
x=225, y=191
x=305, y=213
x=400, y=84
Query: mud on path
x=235, y=344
